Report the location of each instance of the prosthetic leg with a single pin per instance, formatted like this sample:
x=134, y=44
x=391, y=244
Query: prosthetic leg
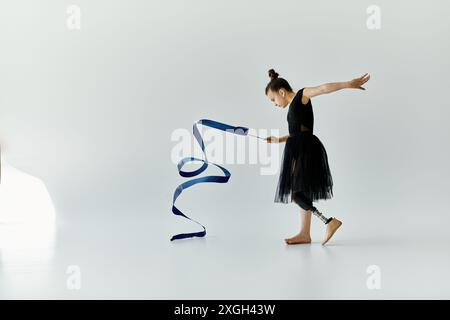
x=332, y=223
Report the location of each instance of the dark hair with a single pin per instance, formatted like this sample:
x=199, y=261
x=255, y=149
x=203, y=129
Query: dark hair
x=276, y=83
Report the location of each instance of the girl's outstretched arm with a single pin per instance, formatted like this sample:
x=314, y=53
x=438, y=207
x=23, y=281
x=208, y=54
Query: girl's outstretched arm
x=355, y=83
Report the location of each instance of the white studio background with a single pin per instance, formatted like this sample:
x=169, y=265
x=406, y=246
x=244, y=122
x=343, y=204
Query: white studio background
x=91, y=111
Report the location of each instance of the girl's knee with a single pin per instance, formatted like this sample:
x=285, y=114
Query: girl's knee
x=303, y=201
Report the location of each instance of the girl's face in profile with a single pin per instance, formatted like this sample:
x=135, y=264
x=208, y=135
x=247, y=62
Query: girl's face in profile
x=278, y=98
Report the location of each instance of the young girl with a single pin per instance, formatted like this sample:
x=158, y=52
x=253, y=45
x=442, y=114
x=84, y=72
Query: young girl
x=305, y=176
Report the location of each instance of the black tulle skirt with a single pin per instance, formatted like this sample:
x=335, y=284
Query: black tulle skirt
x=304, y=167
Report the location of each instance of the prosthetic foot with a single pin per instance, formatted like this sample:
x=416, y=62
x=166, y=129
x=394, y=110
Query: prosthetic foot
x=332, y=227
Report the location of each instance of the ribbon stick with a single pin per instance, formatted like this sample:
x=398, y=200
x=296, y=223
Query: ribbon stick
x=217, y=179
x=255, y=136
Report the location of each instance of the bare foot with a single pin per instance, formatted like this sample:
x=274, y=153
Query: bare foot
x=298, y=239
x=332, y=226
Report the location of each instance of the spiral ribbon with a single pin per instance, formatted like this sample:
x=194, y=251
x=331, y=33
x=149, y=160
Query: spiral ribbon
x=217, y=179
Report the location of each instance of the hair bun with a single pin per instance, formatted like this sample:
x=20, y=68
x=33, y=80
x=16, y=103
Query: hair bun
x=272, y=74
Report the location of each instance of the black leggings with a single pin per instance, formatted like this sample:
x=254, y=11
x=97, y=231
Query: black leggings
x=303, y=201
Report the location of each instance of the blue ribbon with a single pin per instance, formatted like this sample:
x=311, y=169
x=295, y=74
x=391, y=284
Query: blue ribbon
x=218, y=179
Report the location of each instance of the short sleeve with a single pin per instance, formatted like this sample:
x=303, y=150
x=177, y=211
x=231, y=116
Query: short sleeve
x=300, y=96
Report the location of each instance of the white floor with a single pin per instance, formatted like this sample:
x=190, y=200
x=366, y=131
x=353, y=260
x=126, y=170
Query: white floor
x=134, y=259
